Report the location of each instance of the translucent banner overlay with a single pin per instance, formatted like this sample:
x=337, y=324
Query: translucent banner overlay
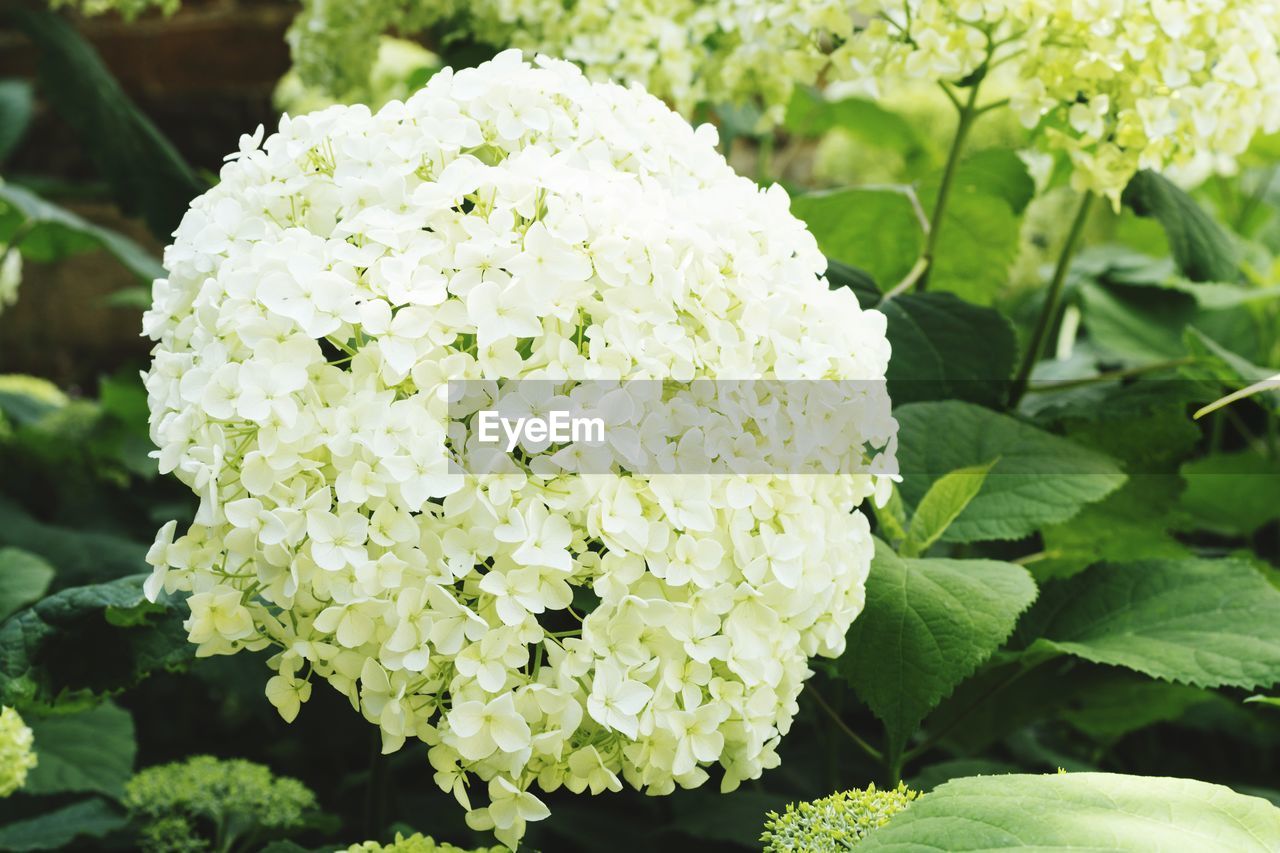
x=653, y=427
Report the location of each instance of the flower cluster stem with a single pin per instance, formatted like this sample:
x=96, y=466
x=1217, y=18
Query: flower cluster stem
x=1051, y=300
x=968, y=113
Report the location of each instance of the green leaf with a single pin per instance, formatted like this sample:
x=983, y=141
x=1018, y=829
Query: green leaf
x=891, y=518
x=145, y=171
x=811, y=115
x=1264, y=700
x=859, y=281
x=87, y=642
x=1081, y=811
x=978, y=242
x=89, y=751
x=1129, y=524
x=1113, y=709
x=26, y=399
x=876, y=229
x=1000, y=173
x=1208, y=623
x=1200, y=246
x=927, y=625
x=945, y=500
x=55, y=233
x=1232, y=493
x=1142, y=324
x=92, y=818
x=79, y=556
x=16, y=104
x=1039, y=479
x=935, y=356
x=24, y=577
x=1221, y=367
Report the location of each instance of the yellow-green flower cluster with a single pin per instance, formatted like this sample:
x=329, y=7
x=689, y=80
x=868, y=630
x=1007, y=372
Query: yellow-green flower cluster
x=1180, y=86
x=685, y=51
x=173, y=803
x=16, y=755
x=416, y=843
x=835, y=823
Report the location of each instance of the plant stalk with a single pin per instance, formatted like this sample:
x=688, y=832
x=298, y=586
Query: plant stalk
x=1050, y=310
x=870, y=750
x=968, y=113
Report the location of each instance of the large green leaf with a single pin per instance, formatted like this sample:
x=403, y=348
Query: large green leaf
x=926, y=626
x=1081, y=811
x=51, y=233
x=1131, y=523
x=91, y=818
x=877, y=230
x=15, y=114
x=1142, y=324
x=24, y=577
x=1200, y=246
x=1232, y=493
x=937, y=354
x=92, y=750
x=145, y=171
x=1000, y=173
x=87, y=642
x=1039, y=479
x=1208, y=623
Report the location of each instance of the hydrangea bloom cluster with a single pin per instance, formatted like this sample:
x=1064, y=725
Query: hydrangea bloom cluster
x=685, y=51
x=416, y=843
x=173, y=804
x=16, y=754
x=508, y=222
x=10, y=275
x=833, y=824
x=1119, y=85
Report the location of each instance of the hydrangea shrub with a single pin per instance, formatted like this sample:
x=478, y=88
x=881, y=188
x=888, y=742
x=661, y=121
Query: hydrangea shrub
x=508, y=222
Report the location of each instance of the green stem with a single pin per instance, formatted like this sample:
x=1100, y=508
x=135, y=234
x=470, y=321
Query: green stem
x=1050, y=310
x=870, y=750
x=968, y=113
x=934, y=737
x=1112, y=375
x=764, y=160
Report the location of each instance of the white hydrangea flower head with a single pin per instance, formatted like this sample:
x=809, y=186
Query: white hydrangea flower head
x=16, y=754
x=1179, y=86
x=507, y=222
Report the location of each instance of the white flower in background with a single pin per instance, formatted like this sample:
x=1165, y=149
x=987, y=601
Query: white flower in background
x=10, y=275
x=1180, y=86
x=507, y=222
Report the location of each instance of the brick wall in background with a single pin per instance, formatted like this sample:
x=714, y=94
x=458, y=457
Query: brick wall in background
x=204, y=76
